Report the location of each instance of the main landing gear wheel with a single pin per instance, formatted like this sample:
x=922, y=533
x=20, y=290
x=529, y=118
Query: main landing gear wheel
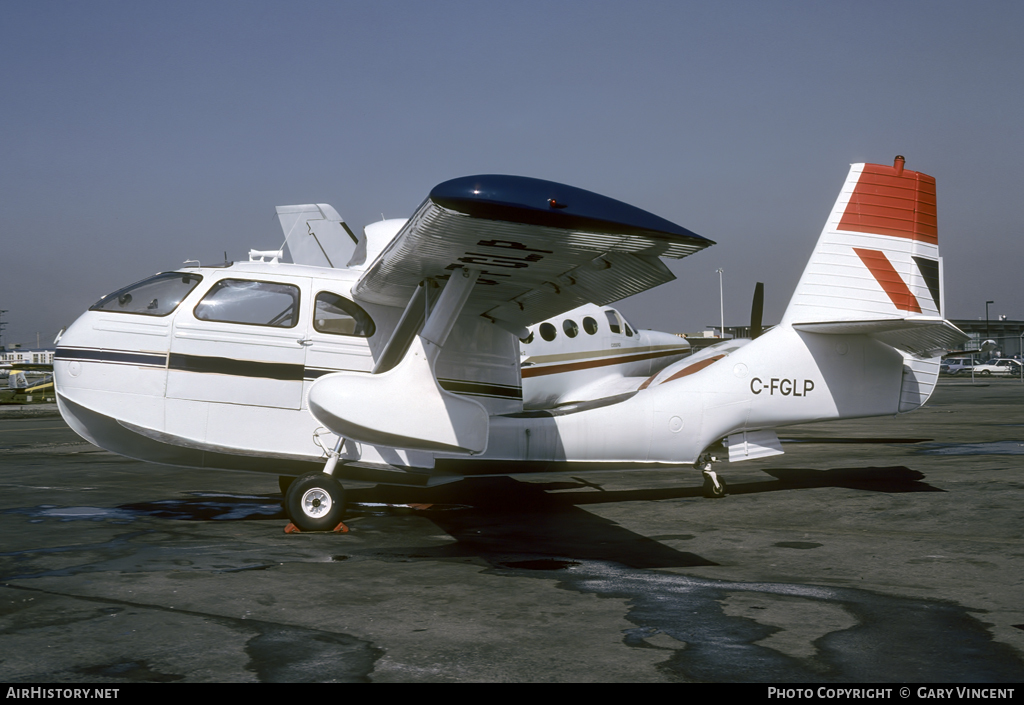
x=315, y=502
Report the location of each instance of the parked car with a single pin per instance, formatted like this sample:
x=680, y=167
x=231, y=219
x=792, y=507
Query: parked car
x=1004, y=366
x=956, y=365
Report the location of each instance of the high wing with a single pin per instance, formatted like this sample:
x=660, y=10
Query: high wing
x=542, y=248
x=513, y=250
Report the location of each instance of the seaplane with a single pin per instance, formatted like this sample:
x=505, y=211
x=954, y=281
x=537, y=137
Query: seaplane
x=478, y=337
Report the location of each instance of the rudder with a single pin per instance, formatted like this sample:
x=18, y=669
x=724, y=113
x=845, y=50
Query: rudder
x=878, y=255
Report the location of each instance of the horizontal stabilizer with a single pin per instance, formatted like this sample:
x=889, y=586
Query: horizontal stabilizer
x=925, y=336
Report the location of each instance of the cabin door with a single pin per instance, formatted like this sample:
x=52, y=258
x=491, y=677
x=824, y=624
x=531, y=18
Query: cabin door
x=340, y=335
x=243, y=343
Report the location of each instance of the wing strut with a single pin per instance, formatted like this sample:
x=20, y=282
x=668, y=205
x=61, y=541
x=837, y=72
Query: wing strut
x=405, y=407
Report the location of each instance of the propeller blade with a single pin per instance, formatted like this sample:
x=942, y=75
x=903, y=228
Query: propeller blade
x=757, y=311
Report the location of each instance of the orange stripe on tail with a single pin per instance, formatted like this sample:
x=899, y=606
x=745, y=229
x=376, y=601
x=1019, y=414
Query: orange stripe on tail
x=890, y=280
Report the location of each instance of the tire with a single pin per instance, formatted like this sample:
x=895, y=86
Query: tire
x=986, y=373
x=709, y=488
x=315, y=502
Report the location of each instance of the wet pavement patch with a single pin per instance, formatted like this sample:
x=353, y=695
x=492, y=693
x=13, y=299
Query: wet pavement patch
x=703, y=642
x=991, y=448
x=128, y=671
x=541, y=564
x=198, y=506
x=211, y=506
x=282, y=654
x=99, y=627
x=49, y=511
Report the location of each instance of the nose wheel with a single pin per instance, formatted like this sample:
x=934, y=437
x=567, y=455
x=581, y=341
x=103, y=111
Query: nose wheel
x=315, y=502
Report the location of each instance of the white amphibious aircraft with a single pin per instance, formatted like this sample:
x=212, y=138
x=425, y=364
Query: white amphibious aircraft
x=475, y=338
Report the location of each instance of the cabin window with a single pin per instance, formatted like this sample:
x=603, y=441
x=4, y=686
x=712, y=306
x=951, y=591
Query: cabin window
x=338, y=316
x=570, y=327
x=250, y=302
x=613, y=321
x=156, y=296
x=590, y=325
x=547, y=331
x=528, y=339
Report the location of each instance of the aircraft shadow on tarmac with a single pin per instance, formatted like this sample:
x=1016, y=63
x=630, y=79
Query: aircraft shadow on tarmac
x=530, y=524
x=507, y=518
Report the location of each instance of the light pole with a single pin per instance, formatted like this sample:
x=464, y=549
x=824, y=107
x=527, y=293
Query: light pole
x=721, y=300
x=1020, y=347
x=988, y=336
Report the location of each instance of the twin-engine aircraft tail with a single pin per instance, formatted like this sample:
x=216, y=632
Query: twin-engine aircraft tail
x=876, y=268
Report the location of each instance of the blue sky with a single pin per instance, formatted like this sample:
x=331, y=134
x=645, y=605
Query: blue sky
x=138, y=135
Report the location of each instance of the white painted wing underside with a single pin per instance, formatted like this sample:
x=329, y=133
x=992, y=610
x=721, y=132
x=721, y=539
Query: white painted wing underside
x=529, y=272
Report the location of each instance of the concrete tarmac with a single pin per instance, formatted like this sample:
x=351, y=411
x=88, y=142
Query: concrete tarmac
x=878, y=550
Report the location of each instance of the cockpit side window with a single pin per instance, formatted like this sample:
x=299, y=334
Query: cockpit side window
x=158, y=295
x=613, y=321
x=250, y=302
x=337, y=315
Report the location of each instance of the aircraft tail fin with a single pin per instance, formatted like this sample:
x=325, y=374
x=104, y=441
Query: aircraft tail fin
x=878, y=255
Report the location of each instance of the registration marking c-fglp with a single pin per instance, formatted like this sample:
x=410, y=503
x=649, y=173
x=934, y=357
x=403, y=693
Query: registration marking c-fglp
x=785, y=387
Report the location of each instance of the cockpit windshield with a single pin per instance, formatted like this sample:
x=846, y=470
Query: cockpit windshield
x=157, y=296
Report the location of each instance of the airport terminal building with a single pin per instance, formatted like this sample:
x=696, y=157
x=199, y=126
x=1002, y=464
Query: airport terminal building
x=1006, y=334
x=27, y=356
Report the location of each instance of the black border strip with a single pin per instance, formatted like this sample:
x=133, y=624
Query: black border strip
x=283, y=371
x=115, y=356
x=480, y=389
